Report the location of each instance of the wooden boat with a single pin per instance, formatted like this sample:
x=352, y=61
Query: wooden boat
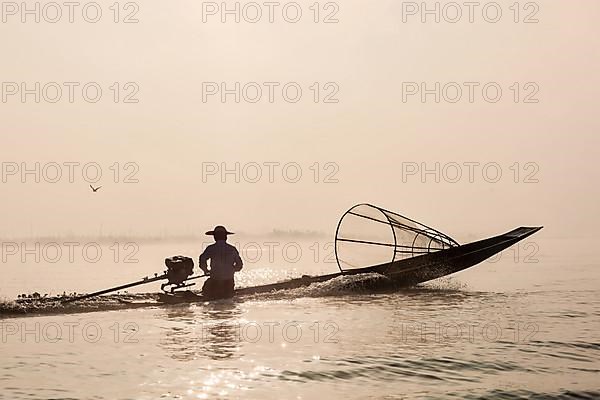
x=368, y=239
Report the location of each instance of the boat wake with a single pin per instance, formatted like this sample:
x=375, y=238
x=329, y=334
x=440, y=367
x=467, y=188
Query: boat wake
x=42, y=305
x=370, y=283
x=340, y=286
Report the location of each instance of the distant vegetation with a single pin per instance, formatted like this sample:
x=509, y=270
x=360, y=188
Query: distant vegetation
x=163, y=237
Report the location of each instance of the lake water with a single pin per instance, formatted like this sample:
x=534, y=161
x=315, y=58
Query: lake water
x=524, y=325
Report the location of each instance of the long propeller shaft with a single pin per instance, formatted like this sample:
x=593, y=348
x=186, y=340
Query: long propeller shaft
x=128, y=285
x=114, y=289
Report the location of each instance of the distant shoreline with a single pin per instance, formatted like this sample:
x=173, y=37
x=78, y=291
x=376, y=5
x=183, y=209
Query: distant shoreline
x=275, y=233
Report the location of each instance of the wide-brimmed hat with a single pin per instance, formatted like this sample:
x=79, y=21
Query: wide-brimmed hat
x=219, y=229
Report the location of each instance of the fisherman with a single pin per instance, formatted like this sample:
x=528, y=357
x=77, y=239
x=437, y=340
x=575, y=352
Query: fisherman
x=225, y=261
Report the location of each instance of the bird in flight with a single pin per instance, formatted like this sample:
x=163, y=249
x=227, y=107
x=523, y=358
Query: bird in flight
x=95, y=189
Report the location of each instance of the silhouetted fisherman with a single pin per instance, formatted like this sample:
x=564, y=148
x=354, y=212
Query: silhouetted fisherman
x=225, y=261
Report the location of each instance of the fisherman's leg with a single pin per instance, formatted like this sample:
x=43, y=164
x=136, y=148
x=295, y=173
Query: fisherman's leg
x=222, y=289
x=208, y=288
x=228, y=289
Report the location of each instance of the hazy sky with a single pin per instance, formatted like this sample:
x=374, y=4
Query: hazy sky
x=369, y=137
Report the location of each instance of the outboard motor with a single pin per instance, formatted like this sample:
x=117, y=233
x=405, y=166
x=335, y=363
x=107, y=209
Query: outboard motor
x=179, y=269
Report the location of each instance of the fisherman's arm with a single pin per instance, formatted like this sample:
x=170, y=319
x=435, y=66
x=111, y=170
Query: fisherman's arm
x=237, y=261
x=206, y=254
